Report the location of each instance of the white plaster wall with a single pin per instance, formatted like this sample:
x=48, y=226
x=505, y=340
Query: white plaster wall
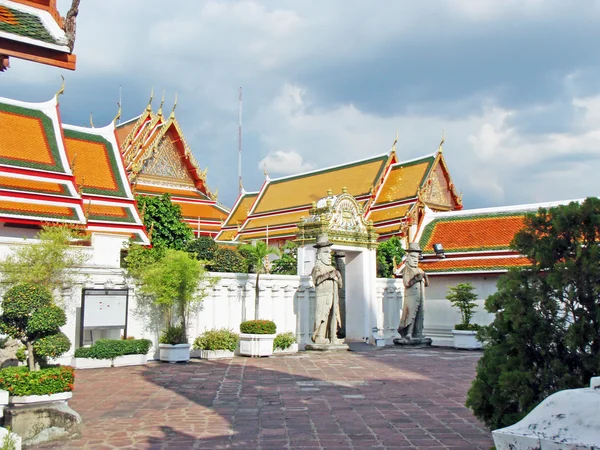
x=441, y=316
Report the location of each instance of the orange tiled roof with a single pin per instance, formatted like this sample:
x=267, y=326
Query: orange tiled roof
x=192, y=211
x=172, y=191
x=276, y=220
x=491, y=264
x=405, y=179
x=381, y=215
x=240, y=210
x=469, y=233
x=35, y=185
x=39, y=211
x=301, y=190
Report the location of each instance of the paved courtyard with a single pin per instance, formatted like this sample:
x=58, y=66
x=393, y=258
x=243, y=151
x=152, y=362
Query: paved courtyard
x=385, y=398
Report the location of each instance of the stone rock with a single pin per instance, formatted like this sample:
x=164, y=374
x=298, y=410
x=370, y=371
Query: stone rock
x=37, y=423
x=413, y=342
x=568, y=419
x=8, y=354
x=327, y=347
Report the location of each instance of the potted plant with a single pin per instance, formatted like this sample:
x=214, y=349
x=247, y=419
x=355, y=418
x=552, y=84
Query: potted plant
x=257, y=255
x=216, y=344
x=176, y=283
x=256, y=337
x=285, y=343
x=465, y=333
x=112, y=352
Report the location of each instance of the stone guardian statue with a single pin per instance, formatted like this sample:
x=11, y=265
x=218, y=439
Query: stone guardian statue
x=415, y=280
x=327, y=281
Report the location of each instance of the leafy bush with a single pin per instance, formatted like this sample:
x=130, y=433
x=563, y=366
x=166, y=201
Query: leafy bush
x=469, y=327
x=545, y=336
x=222, y=339
x=21, y=381
x=29, y=315
x=287, y=264
x=227, y=260
x=387, y=252
x=21, y=354
x=111, y=348
x=173, y=335
x=165, y=220
x=462, y=297
x=284, y=340
x=203, y=248
x=258, y=327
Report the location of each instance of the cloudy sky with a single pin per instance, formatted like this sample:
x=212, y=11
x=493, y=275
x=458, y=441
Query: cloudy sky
x=515, y=85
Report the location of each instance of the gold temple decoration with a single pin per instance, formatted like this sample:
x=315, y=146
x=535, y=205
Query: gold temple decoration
x=149, y=107
x=395, y=142
x=118, y=116
x=92, y=121
x=162, y=101
x=62, y=89
x=172, y=115
x=441, y=146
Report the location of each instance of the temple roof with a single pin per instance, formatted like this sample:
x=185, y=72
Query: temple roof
x=477, y=240
x=35, y=31
x=36, y=182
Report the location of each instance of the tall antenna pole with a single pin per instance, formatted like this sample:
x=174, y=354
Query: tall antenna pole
x=240, y=142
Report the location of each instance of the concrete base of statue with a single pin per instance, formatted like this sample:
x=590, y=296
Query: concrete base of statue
x=413, y=342
x=337, y=346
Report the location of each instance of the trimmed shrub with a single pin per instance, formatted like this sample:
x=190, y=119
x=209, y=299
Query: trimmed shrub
x=203, y=248
x=111, y=348
x=467, y=327
x=227, y=260
x=20, y=381
x=284, y=340
x=173, y=336
x=51, y=346
x=222, y=339
x=258, y=327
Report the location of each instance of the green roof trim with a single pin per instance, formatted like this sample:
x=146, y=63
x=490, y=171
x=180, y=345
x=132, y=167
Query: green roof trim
x=73, y=217
x=120, y=191
x=64, y=191
x=51, y=140
x=25, y=24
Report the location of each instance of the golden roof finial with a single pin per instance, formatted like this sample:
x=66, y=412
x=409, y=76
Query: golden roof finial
x=149, y=107
x=265, y=169
x=118, y=116
x=344, y=190
x=329, y=192
x=441, y=147
x=172, y=115
x=215, y=195
x=62, y=89
x=162, y=101
x=395, y=142
x=92, y=121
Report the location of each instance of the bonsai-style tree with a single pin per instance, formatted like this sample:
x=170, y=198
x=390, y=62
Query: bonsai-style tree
x=546, y=333
x=388, y=252
x=164, y=221
x=287, y=264
x=462, y=297
x=177, y=284
x=29, y=315
x=48, y=262
x=256, y=255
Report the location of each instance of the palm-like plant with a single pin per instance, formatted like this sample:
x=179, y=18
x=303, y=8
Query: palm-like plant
x=257, y=255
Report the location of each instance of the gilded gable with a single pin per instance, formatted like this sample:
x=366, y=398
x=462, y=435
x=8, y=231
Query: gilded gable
x=166, y=163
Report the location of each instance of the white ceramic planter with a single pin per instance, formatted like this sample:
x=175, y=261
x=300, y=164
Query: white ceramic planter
x=130, y=360
x=174, y=353
x=32, y=399
x=91, y=363
x=291, y=349
x=212, y=354
x=256, y=344
x=466, y=339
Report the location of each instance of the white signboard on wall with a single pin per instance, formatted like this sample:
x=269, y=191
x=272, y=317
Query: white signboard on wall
x=104, y=309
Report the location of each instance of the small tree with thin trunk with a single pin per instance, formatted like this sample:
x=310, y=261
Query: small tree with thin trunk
x=256, y=255
x=29, y=315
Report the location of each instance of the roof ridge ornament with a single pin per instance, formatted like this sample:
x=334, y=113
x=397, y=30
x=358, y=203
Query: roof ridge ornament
x=70, y=24
x=61, y=90
x=118, y=116
x=395, y=142
x=149, y=107
x=92, y=121
x=162, y=101
x=441, y=146
x=172, y=115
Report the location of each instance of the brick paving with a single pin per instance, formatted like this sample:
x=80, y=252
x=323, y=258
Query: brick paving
x=388, y=398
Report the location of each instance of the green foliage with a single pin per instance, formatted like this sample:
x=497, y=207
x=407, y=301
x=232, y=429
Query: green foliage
x=256, y=255
x=258, y=327
x=164, y=222
x=3, y=341
x=47, y=262
x=173, y=335
x=287, y=264
x=222, y=339
x=30, y=316
x=546, y=333
x=51, y=346
x=387, y=252
x=227, y=260
x=177, y=284
x=467, y=327
x=111, y=348
x=462, y=297
x=284, y=340
x=19, y=381
x=10, y=441
x=21, y=354
x=203, y=248
x=139, y=258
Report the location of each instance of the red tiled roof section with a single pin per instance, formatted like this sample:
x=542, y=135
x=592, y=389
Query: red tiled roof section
x=472, y=233
x=474, y=264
